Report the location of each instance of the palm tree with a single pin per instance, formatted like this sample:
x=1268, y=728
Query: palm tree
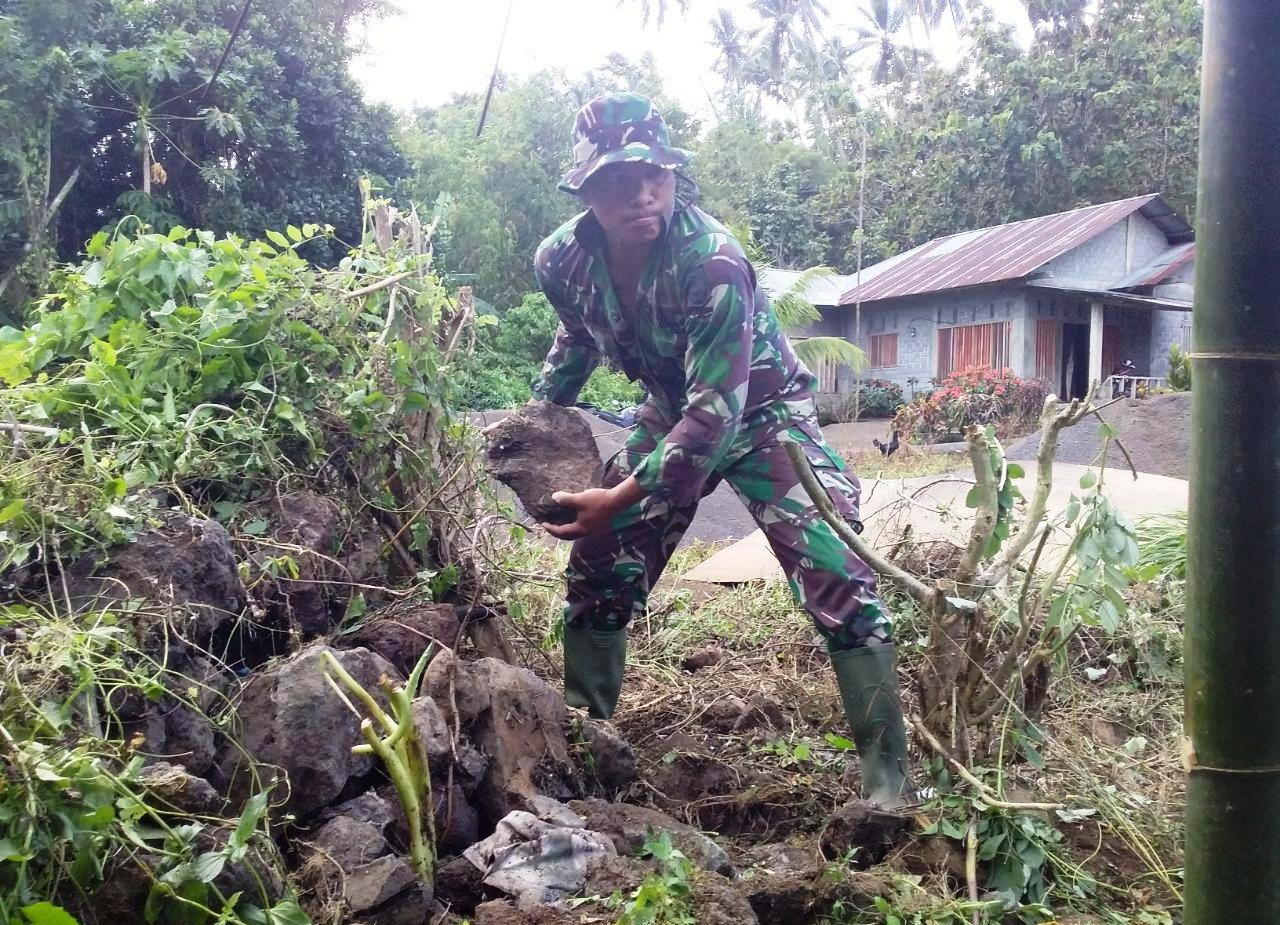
x=733, y=48
x=650, y=7
x=879, y=38
x=789, y=26
x=931, y=12
x=796, y=311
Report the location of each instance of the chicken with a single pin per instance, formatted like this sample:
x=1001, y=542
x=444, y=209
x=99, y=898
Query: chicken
x=887, y=449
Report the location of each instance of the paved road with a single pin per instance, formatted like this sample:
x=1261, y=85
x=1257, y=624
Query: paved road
x=934, y=506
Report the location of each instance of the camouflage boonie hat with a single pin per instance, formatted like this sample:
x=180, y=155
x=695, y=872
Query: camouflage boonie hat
x=617, y=128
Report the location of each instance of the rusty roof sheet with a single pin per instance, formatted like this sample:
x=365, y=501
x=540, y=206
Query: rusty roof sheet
x=1005, y=252
x=1161, y=268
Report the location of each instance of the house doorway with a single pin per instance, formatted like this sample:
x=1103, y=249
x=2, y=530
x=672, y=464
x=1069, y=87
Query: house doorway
x=1075, y=361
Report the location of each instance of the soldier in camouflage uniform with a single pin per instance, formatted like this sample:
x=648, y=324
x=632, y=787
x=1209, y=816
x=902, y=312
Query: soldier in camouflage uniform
x=658, y=286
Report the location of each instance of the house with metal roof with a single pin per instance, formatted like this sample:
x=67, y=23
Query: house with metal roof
x=1067, y=298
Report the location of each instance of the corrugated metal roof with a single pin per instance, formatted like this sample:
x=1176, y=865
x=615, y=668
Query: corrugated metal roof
x=1161, y=268
x=1004, y=252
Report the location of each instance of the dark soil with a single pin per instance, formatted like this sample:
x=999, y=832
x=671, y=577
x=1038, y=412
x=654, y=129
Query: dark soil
x=1156, y=431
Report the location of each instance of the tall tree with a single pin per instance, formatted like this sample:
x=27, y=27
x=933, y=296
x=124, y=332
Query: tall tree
x=281, y=136
x=789, y=26
x=733, y=45
x=879, y=28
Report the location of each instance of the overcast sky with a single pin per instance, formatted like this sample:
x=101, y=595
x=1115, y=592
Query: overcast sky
x=433, y=49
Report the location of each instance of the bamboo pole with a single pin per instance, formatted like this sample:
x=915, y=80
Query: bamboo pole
x=1233, y=596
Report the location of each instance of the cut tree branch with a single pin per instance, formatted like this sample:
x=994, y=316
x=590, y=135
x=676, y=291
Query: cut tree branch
x=989, y=796
x=1053, y=422
x=380, y=284
x=920, y=591
x=984, y=518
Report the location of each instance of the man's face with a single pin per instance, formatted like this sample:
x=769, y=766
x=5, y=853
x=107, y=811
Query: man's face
x=631, y=200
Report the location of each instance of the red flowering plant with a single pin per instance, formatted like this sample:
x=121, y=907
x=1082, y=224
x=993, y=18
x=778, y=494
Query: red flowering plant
x=977, y=395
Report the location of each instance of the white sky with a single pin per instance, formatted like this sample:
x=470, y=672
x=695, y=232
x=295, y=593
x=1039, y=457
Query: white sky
x=433, y=49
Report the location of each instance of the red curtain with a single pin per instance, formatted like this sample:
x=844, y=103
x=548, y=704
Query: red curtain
x=973, y=345
x=1048, y=349
x=883, y=350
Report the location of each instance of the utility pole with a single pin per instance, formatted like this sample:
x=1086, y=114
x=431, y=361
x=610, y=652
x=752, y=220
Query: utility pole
x=1233, y=589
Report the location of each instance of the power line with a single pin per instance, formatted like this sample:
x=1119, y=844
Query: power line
x=235, y=33
x=493, y=78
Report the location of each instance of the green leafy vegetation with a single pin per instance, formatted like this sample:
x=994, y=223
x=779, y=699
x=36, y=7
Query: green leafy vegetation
x=216, y=367
x=72, y=809
x=664, y=896
x=1179, y=377
x=509, y=354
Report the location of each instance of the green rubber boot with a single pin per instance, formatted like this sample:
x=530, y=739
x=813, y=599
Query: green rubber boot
x=593, y=662
x=869, y=690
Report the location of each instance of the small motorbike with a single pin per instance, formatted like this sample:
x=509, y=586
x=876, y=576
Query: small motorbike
x=625, y=418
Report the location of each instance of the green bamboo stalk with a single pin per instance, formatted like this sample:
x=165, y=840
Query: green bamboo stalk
x=1233, y=597
x=400, y=752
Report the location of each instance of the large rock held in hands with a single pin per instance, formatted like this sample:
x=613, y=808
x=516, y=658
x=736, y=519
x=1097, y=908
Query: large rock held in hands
x=540, y=449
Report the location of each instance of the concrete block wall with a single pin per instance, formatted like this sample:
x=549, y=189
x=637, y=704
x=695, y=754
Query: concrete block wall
x=1108, y=256
x=1135, y=337
x=928, y=313
x=1167, y=328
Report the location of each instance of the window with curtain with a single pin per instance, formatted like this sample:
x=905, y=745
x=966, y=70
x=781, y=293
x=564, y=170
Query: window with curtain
x=882, y=350
x=973, y=345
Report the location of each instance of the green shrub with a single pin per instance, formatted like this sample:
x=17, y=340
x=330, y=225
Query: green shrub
x=509, y=356
x=879, y=398
x=1179, y=377
x=219, y=367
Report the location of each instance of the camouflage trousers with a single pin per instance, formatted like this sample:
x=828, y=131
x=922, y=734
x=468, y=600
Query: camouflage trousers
x=610, y=574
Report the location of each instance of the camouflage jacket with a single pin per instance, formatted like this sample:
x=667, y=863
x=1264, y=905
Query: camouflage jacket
x=702, y=337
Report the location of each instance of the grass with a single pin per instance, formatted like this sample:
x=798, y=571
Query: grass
x=870, y=464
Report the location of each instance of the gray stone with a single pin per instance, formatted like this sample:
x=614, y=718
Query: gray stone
x=291, y=718
x=520, y=729
x=433, y=734
x=411, y=906
x=179, y=789
x=349, y=843
x=613, y=761
x=305, y=527
x=540, y=449
x=629, y=827
x=404, y=634
x=187, y=565
x=374, y=883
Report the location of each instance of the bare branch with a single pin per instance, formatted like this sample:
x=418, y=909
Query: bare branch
x=989, y=702
x=984, y=519
x=989, y=796
x=818, y=495
x=1119, y=445
x=380, y=284
x=1053, y=422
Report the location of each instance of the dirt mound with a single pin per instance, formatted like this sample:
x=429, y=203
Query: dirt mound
x=1156, y=431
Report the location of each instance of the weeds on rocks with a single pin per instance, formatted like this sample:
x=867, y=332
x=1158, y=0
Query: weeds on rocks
x=75, y=810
